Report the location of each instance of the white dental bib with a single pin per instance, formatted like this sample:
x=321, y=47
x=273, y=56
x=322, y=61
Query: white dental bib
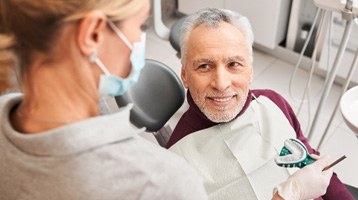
x=236, y=159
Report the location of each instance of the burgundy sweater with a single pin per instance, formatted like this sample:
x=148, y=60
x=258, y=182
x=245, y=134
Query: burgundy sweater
x=194, y=120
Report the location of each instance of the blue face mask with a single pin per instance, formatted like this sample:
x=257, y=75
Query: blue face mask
x=112, y=85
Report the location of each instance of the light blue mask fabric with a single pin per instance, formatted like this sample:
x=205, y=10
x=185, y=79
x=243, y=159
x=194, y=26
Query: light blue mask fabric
x=112, y=85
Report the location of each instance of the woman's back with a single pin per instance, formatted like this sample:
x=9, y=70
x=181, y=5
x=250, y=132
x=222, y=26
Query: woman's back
x=98, y=158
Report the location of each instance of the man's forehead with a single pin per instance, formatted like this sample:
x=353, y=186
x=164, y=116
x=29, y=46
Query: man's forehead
x=216, y=38
x=205, y=28
x=217, y=58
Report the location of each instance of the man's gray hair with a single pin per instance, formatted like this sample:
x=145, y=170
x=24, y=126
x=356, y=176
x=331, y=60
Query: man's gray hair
x=211, y=17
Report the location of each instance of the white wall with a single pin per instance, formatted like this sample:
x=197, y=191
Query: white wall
x=269, y=19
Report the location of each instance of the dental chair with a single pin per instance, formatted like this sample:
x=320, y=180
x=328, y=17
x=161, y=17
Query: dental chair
x=173, y=33
x=353, y=190
x=156, y=96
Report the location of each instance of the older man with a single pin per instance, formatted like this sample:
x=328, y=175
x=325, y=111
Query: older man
x=231, y=134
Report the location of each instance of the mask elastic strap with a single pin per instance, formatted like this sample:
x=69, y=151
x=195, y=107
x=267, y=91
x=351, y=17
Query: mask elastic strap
x=120, y=34
x=94, y=59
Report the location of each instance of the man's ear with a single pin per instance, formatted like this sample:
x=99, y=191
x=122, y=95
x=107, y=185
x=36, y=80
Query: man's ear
x=91, y=32
x=183, y=77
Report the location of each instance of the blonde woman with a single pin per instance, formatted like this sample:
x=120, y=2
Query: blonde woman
x=54, y=144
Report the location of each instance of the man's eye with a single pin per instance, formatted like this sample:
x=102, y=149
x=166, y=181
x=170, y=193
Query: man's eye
x=204, y=66
x=235, y=64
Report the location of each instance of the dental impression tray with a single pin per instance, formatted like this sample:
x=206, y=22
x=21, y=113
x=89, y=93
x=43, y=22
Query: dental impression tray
x=294, y=154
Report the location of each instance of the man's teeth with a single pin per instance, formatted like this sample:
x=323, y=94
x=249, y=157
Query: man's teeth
x=222, y=99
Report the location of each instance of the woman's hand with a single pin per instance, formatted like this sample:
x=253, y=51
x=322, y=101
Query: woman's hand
x=307, y=183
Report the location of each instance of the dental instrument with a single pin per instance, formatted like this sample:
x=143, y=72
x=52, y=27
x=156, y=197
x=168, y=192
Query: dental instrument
x=349, y=13
x=344, y=89
x=306, y=92
x=335, y=162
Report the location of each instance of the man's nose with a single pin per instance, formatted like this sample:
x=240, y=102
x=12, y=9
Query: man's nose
x=221, y=79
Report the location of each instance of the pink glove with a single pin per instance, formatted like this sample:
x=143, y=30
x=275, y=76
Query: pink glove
x=307, y=183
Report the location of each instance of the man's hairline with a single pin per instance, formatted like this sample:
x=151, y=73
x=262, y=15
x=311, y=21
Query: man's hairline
x=248, y=46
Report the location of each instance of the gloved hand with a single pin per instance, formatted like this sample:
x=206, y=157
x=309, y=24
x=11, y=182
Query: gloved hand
x=307, y=183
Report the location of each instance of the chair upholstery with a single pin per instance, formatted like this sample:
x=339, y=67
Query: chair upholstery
x=353, y=190
x=156, y=96
x=174, y=36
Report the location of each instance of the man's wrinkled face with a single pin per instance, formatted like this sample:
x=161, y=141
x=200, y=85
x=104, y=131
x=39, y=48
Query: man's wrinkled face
x=218, y=70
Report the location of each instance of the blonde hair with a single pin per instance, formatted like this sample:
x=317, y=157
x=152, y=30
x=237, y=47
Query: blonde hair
x=31, y=26
x=7, y=81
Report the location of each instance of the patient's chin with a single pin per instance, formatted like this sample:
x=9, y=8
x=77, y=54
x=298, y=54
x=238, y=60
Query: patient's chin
x=220, y=116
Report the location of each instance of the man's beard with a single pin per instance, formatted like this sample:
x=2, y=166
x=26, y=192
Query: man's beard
x=223, y=114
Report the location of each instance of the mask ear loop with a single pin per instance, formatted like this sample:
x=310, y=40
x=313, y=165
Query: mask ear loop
x=94, y=59
x=120, y=34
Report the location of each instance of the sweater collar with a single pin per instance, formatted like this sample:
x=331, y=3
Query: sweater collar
x=74, y=138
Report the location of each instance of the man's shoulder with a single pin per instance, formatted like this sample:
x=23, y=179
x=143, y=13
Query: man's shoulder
x=270, y=94
x=265, y=92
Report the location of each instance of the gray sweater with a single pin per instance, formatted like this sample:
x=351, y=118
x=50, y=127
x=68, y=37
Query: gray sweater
x=98, y=158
